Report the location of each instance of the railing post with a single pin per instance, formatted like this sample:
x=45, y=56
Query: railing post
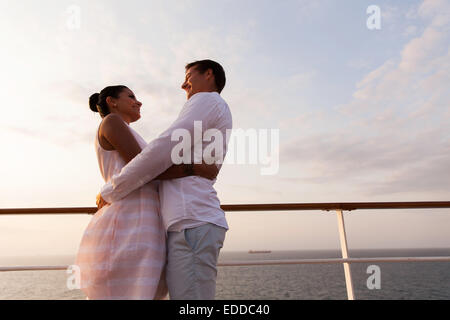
x=344, y=250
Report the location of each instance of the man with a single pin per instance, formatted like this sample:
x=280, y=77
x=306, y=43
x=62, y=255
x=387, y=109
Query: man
x=190, y=209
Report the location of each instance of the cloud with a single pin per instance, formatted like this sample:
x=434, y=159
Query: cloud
x=390, y=17
x=410, y=31
x=61, y=135
x=401, y=81
x=359, y=64
x=431, y=176
x=307, y=8
x=394, y=135
x=380, y=158
x=437, y=10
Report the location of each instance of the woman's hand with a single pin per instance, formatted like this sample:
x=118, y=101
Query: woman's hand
x=100, y=202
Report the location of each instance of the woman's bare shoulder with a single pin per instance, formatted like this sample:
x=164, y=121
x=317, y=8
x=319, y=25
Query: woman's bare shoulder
x=113, y=123
x=112, y=120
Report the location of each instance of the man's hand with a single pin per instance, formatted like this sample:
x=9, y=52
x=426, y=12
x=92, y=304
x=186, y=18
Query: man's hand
x=101, y=202
x=208, y=171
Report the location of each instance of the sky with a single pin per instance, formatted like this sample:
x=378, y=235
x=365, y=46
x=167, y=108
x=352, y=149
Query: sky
x=362, y=113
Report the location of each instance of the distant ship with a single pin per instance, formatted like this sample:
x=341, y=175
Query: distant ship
x=259, y=251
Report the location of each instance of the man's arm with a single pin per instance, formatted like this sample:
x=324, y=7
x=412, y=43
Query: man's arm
x=155, y=158
x=118, y=136
x=208, y=171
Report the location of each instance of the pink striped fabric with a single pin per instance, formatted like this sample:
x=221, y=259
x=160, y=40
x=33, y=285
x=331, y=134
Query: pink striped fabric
x=122, y=253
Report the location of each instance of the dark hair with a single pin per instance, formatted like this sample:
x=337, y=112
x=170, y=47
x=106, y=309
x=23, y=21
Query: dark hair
x=97, y=101
x=219, y=74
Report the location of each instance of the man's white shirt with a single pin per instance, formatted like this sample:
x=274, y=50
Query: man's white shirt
x=185, y=202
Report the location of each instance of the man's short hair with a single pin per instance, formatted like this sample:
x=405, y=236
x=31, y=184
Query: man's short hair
x=219, y=74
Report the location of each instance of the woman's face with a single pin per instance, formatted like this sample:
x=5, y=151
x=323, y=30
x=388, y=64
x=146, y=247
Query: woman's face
x=127, y=106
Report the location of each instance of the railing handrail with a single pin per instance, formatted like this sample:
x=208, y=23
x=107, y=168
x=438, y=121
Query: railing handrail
x=344, y=206
x=267, y=262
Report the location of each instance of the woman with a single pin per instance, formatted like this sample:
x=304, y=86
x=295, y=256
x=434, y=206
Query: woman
x=122, y=253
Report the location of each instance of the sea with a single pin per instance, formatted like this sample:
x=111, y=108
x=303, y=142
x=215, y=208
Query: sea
x=396, y=281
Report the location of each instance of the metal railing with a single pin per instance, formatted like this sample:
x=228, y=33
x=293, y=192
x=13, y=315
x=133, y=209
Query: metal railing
x=338, y=207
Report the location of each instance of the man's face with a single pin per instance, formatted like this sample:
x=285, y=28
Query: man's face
x=195, y=82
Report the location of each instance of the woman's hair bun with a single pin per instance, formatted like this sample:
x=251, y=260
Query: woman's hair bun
x=98, y=101
x=93, y=101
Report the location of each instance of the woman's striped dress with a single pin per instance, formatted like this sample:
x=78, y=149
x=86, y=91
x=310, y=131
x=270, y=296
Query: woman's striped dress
x=122, y=254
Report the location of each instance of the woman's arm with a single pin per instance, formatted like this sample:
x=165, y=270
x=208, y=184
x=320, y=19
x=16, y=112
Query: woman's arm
x=117, y=134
